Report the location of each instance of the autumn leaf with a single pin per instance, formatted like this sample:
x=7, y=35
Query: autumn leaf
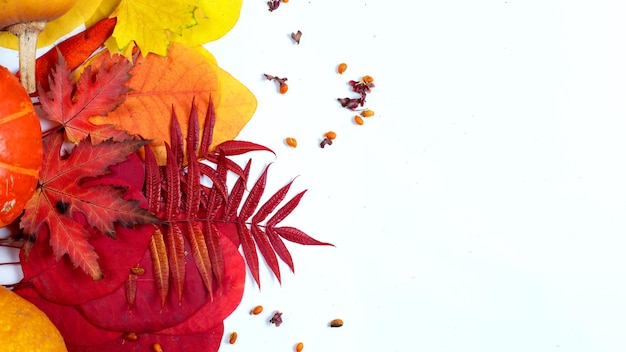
x=77, y=15
x=215, y=18
x=156, y=86
x=61, y=196
x=149, y=23
x=75, y=50
x=115, y=257
x=72, y=105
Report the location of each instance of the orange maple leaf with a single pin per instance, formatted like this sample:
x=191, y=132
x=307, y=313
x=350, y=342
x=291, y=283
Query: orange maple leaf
x=158, y=84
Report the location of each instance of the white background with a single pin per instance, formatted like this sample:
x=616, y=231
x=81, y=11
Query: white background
x=481, y=209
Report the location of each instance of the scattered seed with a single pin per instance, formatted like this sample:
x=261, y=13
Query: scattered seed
x=325, y=142
x=330, y=135
x=358, y=120
x=292, y=142
x=258, y=309
x=137, y=271
x=130, y=336
x=156, y=347
x=283, y=88
x=296, y=36
x=277, y=319
x=285, y=0
x=233, y=338
x=299, y=347
x=335, y=323
x=367, y=113
x=342, y=68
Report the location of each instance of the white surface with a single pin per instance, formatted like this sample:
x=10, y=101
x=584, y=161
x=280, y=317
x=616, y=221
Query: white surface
x=481, y=209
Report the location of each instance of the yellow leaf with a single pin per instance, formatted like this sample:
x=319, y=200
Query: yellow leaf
x=215, y=19
x=106, y=8
x=76, y=16
x=149, y=23
x=158, y=84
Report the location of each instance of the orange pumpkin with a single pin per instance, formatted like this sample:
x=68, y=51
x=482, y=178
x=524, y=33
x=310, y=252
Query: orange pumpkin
x=20, y=147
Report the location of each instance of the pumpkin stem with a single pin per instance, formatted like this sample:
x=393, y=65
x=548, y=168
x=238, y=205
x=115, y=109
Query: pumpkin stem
x=27, y=34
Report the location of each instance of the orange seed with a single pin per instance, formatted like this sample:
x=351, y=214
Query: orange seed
x=232, y=338
x=130, y=336
x=299, y=347
x=367, y=113
x=292, y=143
x=283, y=88
x=335, y=323
x=258, y=309
x=330, y=135
x=358, y=120
x=156, y=347
x=137, y=270
x=367, y=79
x=342, y=68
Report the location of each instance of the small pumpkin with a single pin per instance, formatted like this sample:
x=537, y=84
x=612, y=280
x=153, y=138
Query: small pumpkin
x=20, y=147
x=26, y=19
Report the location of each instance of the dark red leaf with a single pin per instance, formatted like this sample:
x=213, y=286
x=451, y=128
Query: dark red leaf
x=236, y=195
x=209, y=124
x=285, y=210
x=268, y=207
x=176, y=254
x=266, y=250
x=249, y=251
x=279, y=247
x=294, y=235
x=160, y=264
x=212, y=238
x=153, y=181
x=172, y=179
x=215, y=178
x=240, y=147
x=148, y=315
x=230, y=165
x=176, y=141
x=252, y=201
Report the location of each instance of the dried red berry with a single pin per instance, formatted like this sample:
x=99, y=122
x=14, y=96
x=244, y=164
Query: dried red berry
x=325, y=142
x=351, y=103
x=296, y=36
x=277, y=319
x=273, y=4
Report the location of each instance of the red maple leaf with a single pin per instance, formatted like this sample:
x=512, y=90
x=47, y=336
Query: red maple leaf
x=72, y=105
x=62, y=199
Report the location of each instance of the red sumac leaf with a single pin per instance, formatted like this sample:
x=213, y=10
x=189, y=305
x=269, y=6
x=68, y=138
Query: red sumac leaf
x=254, y=196
x=236, y=195
x=160, y=264
x=266, y=250
x=176, y=141
x=207, y=134
x=172, y=179
x=292, y=234
x=212, y=238
x=230, y=165
x=279, y=247
x=176, y=255
x=240, y=147
x=271, y=204
x=249, y=251
x=285, y=210
x=211, y=173
x=131, y=289
x=153, y=181
x=200, y=255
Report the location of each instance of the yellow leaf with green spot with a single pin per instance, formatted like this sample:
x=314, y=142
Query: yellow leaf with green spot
x=215, y=19
x=76, y=16
x=150, y=23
